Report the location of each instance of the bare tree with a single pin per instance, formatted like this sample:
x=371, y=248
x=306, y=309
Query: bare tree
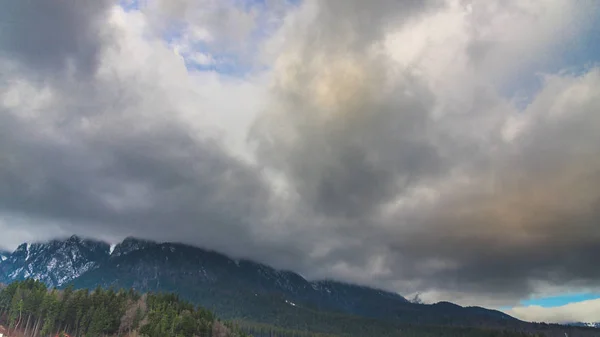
x=219, y=330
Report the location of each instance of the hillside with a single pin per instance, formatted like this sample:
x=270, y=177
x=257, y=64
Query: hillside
x=29, y=308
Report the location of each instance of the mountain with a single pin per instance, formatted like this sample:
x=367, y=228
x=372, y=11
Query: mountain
x=55, y=263
x=235, y=289
x=202, y=274
x=3, y=255
x=589, y=325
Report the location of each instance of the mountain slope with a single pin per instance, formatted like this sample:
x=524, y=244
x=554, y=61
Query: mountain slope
x=55, y=263
x=4, y=255
x=238, y=289
x=233, y=288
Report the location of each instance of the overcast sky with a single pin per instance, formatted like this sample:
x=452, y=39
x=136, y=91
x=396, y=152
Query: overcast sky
x=445, y=147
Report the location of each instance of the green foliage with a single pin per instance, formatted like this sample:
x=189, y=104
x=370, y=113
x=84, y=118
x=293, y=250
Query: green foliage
x=170, y=316
x=32, y=307
x=38, y=311
x=50, y=312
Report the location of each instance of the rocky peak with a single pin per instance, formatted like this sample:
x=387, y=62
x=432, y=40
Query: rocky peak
x=21, y=251
x=55, y=263
x=131, y=244
x=74, y=239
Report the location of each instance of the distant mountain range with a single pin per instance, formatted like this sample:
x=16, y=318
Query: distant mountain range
x=234, y=289
x=589, y=325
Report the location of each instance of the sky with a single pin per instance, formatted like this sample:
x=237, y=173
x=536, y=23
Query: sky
x=449, y=148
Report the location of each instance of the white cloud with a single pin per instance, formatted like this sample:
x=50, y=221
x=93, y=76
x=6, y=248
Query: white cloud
x=202, y=59
x=585, y=311
x=202, y=100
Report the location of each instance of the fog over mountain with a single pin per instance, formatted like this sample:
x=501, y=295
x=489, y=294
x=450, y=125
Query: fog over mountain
x=443, y=147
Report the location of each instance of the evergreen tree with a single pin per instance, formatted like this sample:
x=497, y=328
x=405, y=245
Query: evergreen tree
x=36, y=311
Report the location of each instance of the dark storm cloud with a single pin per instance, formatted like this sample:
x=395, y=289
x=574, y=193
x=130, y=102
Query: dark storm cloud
x=50, y=36
x=105, y=154
x=97, y=157
x=532, y=217
x=353, y=146
x=516, y=214
x=384, y=182
x=100, y=169
x=350, y=167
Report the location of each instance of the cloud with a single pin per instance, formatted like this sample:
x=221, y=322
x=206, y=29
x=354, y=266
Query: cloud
x=227, y=30
x=379, y=146
x=127, y=151
x=54, y=36
x=585, y=311
x=403, y=149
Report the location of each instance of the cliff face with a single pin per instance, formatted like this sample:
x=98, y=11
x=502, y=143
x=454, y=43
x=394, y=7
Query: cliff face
x=55, y=263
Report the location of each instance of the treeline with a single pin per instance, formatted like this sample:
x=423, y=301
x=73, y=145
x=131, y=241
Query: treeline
x=265, y=330
x=33, y=310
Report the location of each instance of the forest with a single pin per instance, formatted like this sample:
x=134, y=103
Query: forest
x=29, y=308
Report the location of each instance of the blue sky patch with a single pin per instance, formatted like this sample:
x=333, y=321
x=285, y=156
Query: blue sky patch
x=557, y=301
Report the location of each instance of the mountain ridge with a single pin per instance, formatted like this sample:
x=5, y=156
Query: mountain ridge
x=131, y=244
x=585, y=324
x=233, y=288
x=55, y=262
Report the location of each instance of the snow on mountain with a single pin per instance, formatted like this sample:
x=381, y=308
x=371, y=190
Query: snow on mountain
x=55, y=263
x=3, y=255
